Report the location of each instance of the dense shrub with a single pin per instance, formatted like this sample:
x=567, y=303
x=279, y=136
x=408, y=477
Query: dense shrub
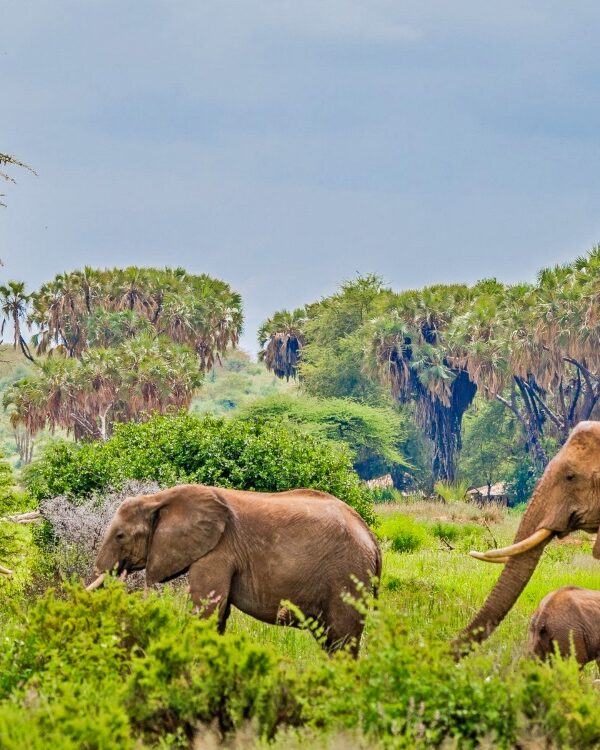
x=106, y=669
x=262, y=456
x=11, y=501
x=375, y=436
x=404, y=533
x=114, y=671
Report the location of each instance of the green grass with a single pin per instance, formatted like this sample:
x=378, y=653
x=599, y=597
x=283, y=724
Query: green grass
x=437, y=590
x=426, y=597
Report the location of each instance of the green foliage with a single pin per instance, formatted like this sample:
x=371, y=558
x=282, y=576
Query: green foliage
x=385, y=495
x=88, y=395
x=100, y=670
x=108, y=670
x=375, y=436
x=492, y=444
x=521, y=480
x=234, y=384
x=493, y=451
x=451, y=492
x=332, y=359
x=261, y=456
x=10, y=500
x=404, y=533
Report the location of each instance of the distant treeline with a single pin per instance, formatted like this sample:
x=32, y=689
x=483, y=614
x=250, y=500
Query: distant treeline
x=531, y=348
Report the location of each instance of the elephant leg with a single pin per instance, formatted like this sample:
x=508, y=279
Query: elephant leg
x=343, y=627
x=209, y=590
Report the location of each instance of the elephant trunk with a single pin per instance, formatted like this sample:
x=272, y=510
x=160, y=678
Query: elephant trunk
x=513, y=579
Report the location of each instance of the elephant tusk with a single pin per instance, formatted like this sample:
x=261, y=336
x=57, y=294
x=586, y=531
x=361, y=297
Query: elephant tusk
x=483, y=556
x=123, y=576
x=516, y=549
x=98, y=582
x=5, y=571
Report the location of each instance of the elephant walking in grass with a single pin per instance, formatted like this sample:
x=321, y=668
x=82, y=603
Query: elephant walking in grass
x=252, y=550
x=567, y=619
x=566, y=498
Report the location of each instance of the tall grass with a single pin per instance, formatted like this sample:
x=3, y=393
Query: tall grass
x=451, y=492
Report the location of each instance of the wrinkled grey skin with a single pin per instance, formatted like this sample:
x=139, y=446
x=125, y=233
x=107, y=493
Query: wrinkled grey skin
x=566, y=498
x=567, y=619
x=251, y=550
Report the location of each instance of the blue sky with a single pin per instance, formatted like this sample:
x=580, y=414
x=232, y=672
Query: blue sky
x=287, y=145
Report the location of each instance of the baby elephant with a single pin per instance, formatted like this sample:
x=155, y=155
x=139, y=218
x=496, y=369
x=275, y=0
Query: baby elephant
x=570, y=618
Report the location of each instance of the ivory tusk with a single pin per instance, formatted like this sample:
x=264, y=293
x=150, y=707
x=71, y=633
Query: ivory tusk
x=516, y=549
x=5, y=571
x=98, y=582
x=123, y=576
x=482, y=556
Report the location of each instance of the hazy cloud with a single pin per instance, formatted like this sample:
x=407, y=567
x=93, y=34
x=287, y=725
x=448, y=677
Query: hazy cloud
x=285, y=146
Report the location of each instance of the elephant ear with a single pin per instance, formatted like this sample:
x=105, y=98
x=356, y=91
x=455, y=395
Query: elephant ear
x=188, y=522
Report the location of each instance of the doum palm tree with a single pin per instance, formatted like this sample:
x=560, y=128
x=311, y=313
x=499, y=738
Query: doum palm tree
x=14, y=301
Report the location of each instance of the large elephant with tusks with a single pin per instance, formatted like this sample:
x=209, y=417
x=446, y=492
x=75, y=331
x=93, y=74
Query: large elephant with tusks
x=566, y=498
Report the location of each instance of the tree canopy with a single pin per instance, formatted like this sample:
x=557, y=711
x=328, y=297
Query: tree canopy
x=534, y=348
x=89, y=395
x=80, y=309
x=116, y=345
x=375, y=436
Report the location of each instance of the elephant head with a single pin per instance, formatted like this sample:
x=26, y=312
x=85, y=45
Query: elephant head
x=566, y=498
x=164, y=533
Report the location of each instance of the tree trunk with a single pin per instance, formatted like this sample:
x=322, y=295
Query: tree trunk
x=443, y=424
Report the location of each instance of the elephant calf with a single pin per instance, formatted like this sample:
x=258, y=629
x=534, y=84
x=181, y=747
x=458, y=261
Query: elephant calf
x=251, y=550
x=567, y=618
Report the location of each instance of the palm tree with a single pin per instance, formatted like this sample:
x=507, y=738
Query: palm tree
x=87, y=396
x=281, y=339
x=410, y=351
x=534, y=348
x=14, y=302
x=82, y=309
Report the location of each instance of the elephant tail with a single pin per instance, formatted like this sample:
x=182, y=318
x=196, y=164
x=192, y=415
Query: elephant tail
x=378, y=564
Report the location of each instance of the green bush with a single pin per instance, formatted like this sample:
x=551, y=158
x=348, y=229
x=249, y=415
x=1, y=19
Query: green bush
x=386, y=495
x=107, y=670
x=102, y=670
x=404, y=533
x=375, y=436
x=262, y=456
x=11, y=501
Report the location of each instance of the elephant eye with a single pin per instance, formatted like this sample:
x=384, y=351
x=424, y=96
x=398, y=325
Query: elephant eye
x=570, y=477
x=119, y=536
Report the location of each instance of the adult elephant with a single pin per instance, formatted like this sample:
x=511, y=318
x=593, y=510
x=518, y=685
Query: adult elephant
x=252, y=550
x=566, y=498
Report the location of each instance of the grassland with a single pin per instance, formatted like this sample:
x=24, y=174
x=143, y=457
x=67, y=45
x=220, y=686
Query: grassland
x=435, y=590
x=493, y=698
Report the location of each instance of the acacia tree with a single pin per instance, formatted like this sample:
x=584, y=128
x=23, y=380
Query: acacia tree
x=9, y=161
x=322, y=343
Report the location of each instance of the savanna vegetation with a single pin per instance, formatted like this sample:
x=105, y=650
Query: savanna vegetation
x=128, y=376
x=533, y=348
